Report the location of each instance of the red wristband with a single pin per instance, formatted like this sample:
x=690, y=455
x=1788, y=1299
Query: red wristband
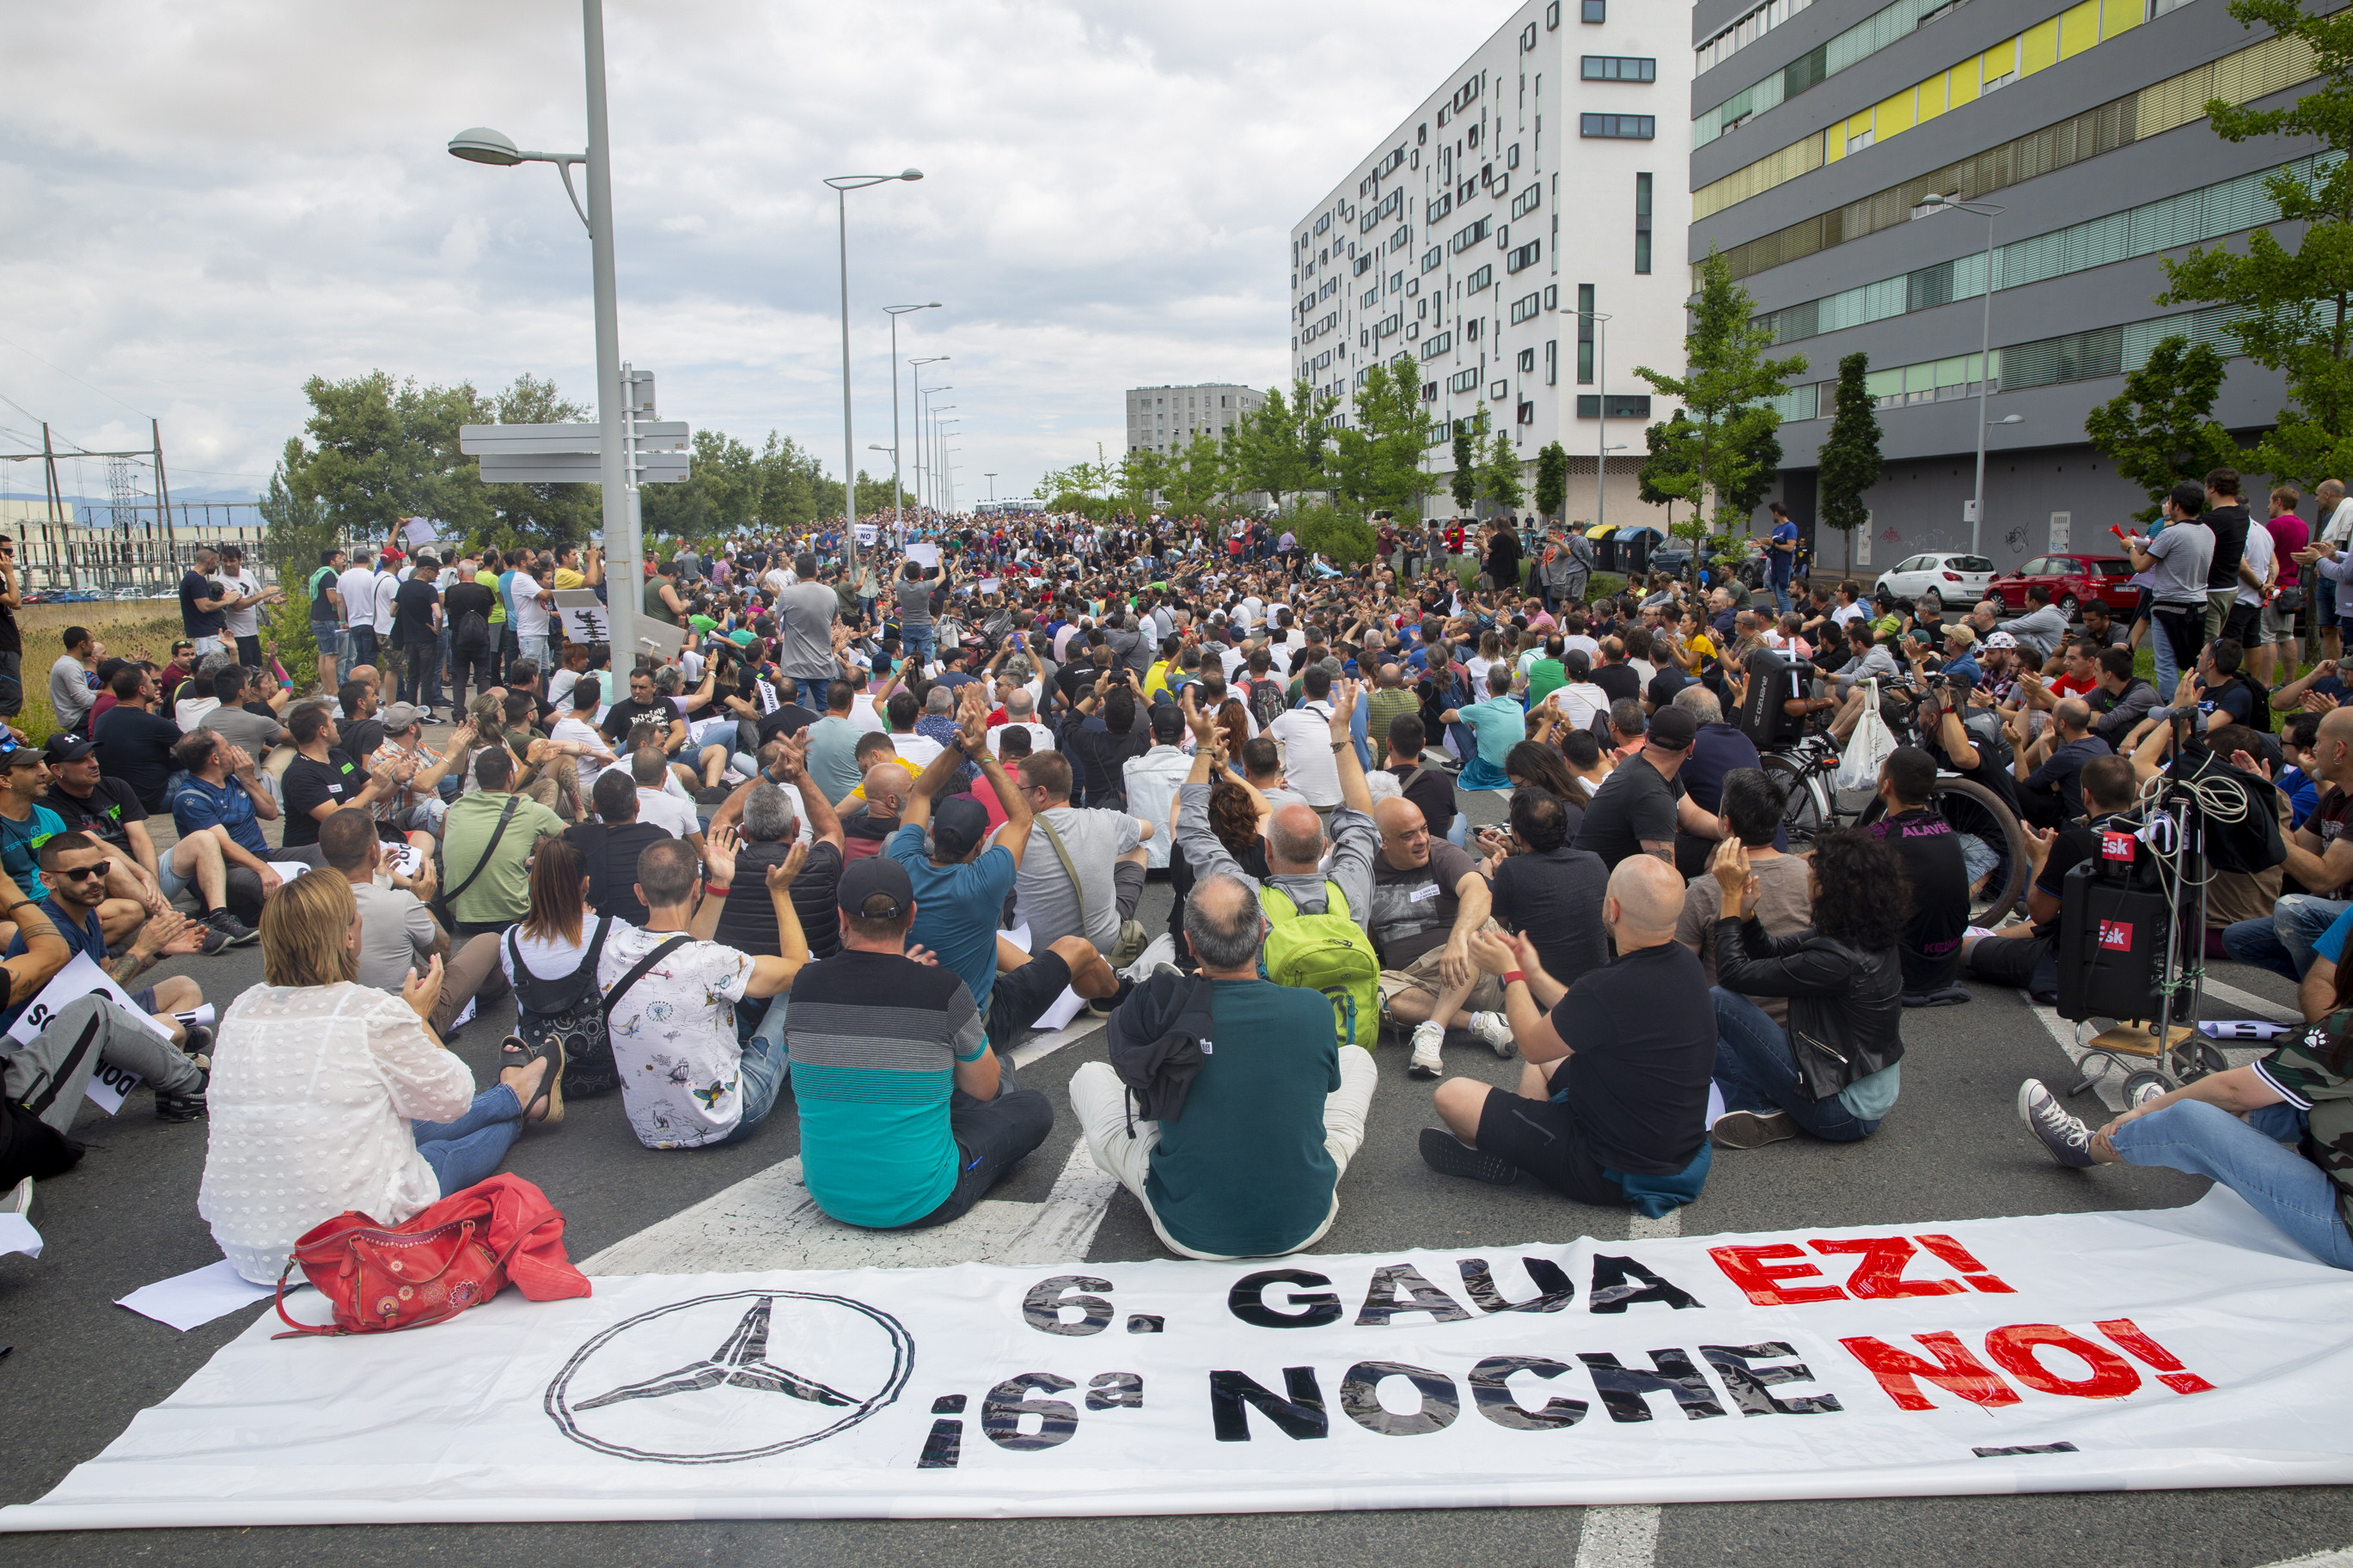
x=1512, y=975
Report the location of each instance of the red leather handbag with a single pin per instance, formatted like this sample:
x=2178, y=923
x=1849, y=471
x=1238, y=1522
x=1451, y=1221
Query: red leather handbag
x=453, y=1255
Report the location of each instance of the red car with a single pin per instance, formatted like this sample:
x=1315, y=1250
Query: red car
x=2075, y=581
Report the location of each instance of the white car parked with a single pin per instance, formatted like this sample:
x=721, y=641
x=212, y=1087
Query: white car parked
x=1938, y=579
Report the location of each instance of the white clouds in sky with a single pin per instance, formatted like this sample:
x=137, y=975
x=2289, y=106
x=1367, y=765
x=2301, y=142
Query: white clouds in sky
x=208, y=203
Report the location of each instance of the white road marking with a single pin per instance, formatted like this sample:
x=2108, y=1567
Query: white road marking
x=2318, y=1559
x=2256, y=1007
x=1080, y=1028
x=2110, y=1083
x=769, y=1221
x=1618, y=1537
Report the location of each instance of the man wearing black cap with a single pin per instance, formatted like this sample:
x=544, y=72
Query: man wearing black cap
x=1635, y=811
x=107, y=810
x=962, y=887
x=906, y=1116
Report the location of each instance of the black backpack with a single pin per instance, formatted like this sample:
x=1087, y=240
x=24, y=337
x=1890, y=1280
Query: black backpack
x=571, y=1009
x=1157, y=1041
x=471, y=634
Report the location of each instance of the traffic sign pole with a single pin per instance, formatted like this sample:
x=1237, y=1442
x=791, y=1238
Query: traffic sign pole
x=624, y=553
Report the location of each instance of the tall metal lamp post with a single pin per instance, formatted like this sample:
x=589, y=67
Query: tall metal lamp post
x=481, y=145
x=842, y=185
x=1988, y=211
x=898, y=513
x=916, y=377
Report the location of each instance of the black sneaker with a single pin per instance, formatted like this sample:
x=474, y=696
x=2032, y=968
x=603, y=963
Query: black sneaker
x=199, y=1045
x=2063, y=1132
x=1448, y=1155
x=1752, y=1128
x=186, y=1106
x=234, y=932
x=712, y=794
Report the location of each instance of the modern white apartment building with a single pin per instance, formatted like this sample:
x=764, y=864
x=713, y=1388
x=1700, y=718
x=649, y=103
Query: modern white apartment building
x=1165, y=419
x=1503, y=235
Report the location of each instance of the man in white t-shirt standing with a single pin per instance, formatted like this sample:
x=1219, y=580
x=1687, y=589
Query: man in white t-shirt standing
x=531, y=610
x=243, y=611
x=1305, y=734
x=356, y=585
x=685, y=1083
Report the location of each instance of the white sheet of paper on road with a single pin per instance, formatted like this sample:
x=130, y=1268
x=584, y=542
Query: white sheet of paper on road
x=583, y=614
x=192, y=1299
x=2192, y=1347
x=17, y=1234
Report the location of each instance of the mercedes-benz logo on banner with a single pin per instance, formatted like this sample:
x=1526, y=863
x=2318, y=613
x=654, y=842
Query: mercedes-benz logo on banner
x=733, y=1376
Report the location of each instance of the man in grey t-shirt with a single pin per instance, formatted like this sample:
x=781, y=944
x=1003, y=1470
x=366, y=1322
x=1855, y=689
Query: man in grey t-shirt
x=805, y=649
x=236, y=722
x=73, y=687
x=2173, y=566
x=1105, y=849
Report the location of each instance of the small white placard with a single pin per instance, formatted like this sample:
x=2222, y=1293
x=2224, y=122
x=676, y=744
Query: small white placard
x=583, y=616
x=108, y=1086
x=192, y=1299
x=924, y=555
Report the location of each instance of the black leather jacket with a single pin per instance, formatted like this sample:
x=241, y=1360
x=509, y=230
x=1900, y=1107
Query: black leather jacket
x=1846, y=1007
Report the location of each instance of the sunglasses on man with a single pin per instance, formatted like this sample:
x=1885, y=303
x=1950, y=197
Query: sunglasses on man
x=83, y=873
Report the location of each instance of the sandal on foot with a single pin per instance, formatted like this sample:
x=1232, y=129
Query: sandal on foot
x=550, y=1086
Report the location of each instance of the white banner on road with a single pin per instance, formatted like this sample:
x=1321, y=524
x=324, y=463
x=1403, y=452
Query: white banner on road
x=2101, y=1351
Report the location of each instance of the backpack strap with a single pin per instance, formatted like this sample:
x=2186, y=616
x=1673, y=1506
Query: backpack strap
x=1068, y=870
x=450, y=898
x=638, y=972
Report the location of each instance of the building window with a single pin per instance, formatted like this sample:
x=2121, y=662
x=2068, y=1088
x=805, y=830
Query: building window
x=1641, y=222
x=1480, y=279
x=1527, y=37
x=1499, y=390
x=1471, y=328
x=1430, y=260
x=1585, y=334
x=1552, y=293
x=1527, y=362
x=1618, y=127
x=1552, y=360
x=1438, y=345
x=1527, y=201
x=1463, y=381
x=1527, y=256
x=1622, y=406
x=1466, y=238
x=1620, y=68
x=1552, y=16
x=1511, y=159
x=1524, y=310
x=1526, y=414
x=1595, y=10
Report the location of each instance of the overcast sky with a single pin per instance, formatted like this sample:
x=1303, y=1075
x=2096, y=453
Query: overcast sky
x=207, y=204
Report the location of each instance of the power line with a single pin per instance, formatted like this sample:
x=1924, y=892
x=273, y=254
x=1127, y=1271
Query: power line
x=70, y=376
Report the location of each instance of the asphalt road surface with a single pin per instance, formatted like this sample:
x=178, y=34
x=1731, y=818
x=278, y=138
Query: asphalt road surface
x=83, y=1367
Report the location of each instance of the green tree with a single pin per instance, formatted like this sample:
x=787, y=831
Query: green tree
x=1341, y=538
x=1143, y=474
x=1376, y=464
x=1849, y=464
x=1552, y=480
x=1499, y=474
x=2293, y=310
x=793, y=489
x=1726, y=390
x=1196, y=476
x=380, y=450
x=1280, y=445
x=1464, y=484
x=719, y=496
x=1667, y=475
x=2160, y=429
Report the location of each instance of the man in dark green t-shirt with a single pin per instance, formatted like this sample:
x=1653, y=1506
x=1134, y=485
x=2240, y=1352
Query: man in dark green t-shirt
x=1276, y=1111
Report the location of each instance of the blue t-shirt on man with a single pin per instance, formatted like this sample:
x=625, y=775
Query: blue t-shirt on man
x=958, y=908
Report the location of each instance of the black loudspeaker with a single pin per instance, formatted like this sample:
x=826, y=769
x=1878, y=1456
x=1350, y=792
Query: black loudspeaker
x=1772, y=681
x=2112, y=933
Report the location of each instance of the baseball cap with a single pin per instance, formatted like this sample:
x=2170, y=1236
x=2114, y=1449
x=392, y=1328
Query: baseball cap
x=68, y=749
x=1167, y=721
x=399, y=717
x=866, y=884
x=1673, y=729
x=20, y=757
x=2000, y=639
x=1966, y=635
x=958, y=824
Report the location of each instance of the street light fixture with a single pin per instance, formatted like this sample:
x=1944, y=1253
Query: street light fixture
x=842, y=185
x=925, y=455
x=938, y=439
x=617, y=480
x=1600, y=413
x=1988, y=211
x=898, y=513
x=916, y=377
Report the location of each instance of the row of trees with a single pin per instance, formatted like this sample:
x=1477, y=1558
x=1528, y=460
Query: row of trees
x=376, y=450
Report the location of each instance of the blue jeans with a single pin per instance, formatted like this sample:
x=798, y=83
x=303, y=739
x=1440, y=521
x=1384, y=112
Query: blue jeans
x=358, y=648
x=916, y=642
x=2160, y=653
x=1781, y=595
x=813, y=691
x=468, y=1149
x=535, y=648
x=2255, y=1159
x=1757, y=1070
x=763, y=1071
x=330, y=640
x=2282, y=940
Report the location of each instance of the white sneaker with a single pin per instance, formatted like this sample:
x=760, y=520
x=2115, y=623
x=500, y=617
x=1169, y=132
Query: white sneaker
x=1427, y=1038
x=1497, y=1031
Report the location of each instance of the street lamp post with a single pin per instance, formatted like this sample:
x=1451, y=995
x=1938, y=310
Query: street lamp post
x=1601, y=413
x=614, y=473
x=939, y=486
x=1988, y=211
x=946, y=473
x=915, y=374
x=923, y=444
x=992, y=488
x=898, y=511
x=842, y=185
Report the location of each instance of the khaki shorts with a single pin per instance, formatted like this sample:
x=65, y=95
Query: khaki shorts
x=1421, y=974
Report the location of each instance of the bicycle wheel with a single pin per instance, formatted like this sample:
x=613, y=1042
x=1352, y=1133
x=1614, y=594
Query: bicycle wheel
x=1978, y=813
x=1805, y=812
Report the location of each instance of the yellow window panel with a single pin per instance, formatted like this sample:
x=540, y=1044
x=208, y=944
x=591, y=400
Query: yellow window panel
x=1999, y=61
x=1932, y=97
x=2079, y=28
x=1961, y=84
x=2038, y=46
x=1857, y=124
x=1833, y=143
x=2116, y=16
x=1894, y=115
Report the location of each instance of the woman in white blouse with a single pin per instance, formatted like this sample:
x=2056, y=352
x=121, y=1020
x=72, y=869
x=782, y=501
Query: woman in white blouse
x=328, y=1095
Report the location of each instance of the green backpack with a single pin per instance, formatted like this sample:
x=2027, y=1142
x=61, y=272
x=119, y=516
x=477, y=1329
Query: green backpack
x=1328, y=952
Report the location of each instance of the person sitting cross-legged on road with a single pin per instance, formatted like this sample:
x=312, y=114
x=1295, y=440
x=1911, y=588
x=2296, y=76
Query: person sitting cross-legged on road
x=76, y=866
x=1251, y=1167
x=2275, y=1131
x=328, y=1095
x=907, y=1118
x=1612, y=1106
x=1844, y=979
x=1429, y=900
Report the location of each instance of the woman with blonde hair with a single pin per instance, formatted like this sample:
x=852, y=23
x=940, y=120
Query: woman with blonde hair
x=328, y=1095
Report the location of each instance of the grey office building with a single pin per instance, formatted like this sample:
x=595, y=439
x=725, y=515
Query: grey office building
x=1165, y=419
x=1818, y=131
